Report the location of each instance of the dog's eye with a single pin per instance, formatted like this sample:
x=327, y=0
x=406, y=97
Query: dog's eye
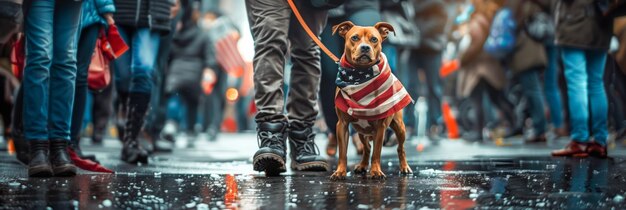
x=374, y=39
x=355, y=38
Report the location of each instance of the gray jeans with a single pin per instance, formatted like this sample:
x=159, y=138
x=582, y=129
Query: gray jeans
x=273, y=27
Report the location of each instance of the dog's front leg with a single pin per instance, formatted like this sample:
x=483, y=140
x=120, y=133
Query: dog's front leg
x=361, y=168
x=376, y=171
x=342, y=142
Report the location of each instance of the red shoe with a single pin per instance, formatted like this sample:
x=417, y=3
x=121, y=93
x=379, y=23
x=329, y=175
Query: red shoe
x=573, y=149
x=596, y=150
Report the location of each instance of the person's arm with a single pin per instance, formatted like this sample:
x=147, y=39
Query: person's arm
x=106, y=8
x=209, y=53
x=478, y=32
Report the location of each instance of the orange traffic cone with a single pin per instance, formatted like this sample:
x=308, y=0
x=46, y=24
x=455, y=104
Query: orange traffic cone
x=448, y=117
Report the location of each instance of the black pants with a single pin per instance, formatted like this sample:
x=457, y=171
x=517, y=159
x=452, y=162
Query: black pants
x=102, y=110
x=189, y=94
x=86, y=45
x=497, y=97
x=214, y=104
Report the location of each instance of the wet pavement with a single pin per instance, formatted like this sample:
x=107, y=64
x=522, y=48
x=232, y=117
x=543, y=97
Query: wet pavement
x=218, y=175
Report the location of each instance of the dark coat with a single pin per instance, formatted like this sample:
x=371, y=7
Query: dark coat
x=190, y=54
x=153, y=14
x=431, y=18
x=528, y=53
x=579, y=24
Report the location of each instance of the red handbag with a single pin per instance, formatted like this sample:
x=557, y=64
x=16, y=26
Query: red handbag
x=18, y=57
x=99, y=75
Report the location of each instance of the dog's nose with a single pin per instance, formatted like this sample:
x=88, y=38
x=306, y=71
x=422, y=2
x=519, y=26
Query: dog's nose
x=365, y=48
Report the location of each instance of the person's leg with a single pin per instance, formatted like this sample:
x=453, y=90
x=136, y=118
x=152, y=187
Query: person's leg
x=551, y=87
x=596, y=61
x=86, y=44
x=101, y=112
x=430, y=63
x=144, y=51
x=506, y=107
x=122, y=78
x=408, y=70
x=269, y=21
x=575, y=64
x=531, y=89
x=303, y=90
x=476, y=98
x=38, y=29
x=62, y=79
x=327, y=84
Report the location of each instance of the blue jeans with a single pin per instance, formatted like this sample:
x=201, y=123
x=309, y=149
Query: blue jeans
x=429, y=63
x=133, y=70
x=587, y=98
x=551, y=87
x=531, y=88
x=51, y=36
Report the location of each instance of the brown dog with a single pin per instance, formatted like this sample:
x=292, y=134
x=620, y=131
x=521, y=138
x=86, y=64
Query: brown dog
x=369, y=97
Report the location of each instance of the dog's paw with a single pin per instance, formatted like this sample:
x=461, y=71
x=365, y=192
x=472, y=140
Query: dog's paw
x=406, y=170
x=377, y=175
x=359, y=169
x=338, y=175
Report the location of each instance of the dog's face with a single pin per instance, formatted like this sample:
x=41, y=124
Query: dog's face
x=363, y=44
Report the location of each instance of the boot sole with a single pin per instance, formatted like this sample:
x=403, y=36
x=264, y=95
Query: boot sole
x=271, y=164
x=310, y=166
x=40, y=171
x=65, y=170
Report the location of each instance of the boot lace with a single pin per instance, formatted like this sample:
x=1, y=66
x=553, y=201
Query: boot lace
x=307, y=146
x=270, y=139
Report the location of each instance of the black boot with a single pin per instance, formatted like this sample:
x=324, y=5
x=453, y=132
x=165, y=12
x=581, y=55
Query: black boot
x=271, y=155
x=39, y=165
x=305, y=155
x=21, y=148
x=60, y=161
x=132, y=152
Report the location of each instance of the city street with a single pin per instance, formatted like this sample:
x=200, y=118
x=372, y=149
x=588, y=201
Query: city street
x=452, y=174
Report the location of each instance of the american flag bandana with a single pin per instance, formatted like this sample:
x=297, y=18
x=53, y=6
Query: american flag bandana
x=370, y=94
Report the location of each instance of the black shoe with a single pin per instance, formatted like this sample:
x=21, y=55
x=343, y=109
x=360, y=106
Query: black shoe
x=39, y=165
x=271, y=155
x=76, y=147
x=132, y=151
x=61, y=163
x=305, y=155
x=96, y=139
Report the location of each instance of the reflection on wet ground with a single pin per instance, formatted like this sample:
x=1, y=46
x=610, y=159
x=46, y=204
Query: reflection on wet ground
x=480, y=183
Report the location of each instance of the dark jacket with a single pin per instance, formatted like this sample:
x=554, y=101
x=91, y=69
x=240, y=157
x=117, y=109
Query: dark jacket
x=579, y=24
x=190, y=55
x=528, y=53
x=153, y=14
x=431, y=18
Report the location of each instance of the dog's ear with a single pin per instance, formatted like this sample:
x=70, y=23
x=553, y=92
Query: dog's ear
x=343, y=28
x=384, y=29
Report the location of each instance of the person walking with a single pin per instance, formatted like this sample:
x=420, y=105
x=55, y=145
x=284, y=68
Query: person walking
x=527, y=62
x=584, y=36
x=97, y=14
x=273, y=26
x=49, y=74
x=141, y=22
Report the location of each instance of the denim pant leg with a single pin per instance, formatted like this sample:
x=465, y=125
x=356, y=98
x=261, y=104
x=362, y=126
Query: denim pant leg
x=575, y=63
x=408, y=70
x=38, y=29
x=86, y=45
x=63, y=69
x=121, y=65
x=596, y=61
x=531, y=89
x=144, y=52
x=551, y=87
x=430, y=63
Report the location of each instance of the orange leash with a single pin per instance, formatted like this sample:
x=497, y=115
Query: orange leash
x=310, y=33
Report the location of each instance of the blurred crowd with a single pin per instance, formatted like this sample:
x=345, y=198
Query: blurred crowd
x=162, y=70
